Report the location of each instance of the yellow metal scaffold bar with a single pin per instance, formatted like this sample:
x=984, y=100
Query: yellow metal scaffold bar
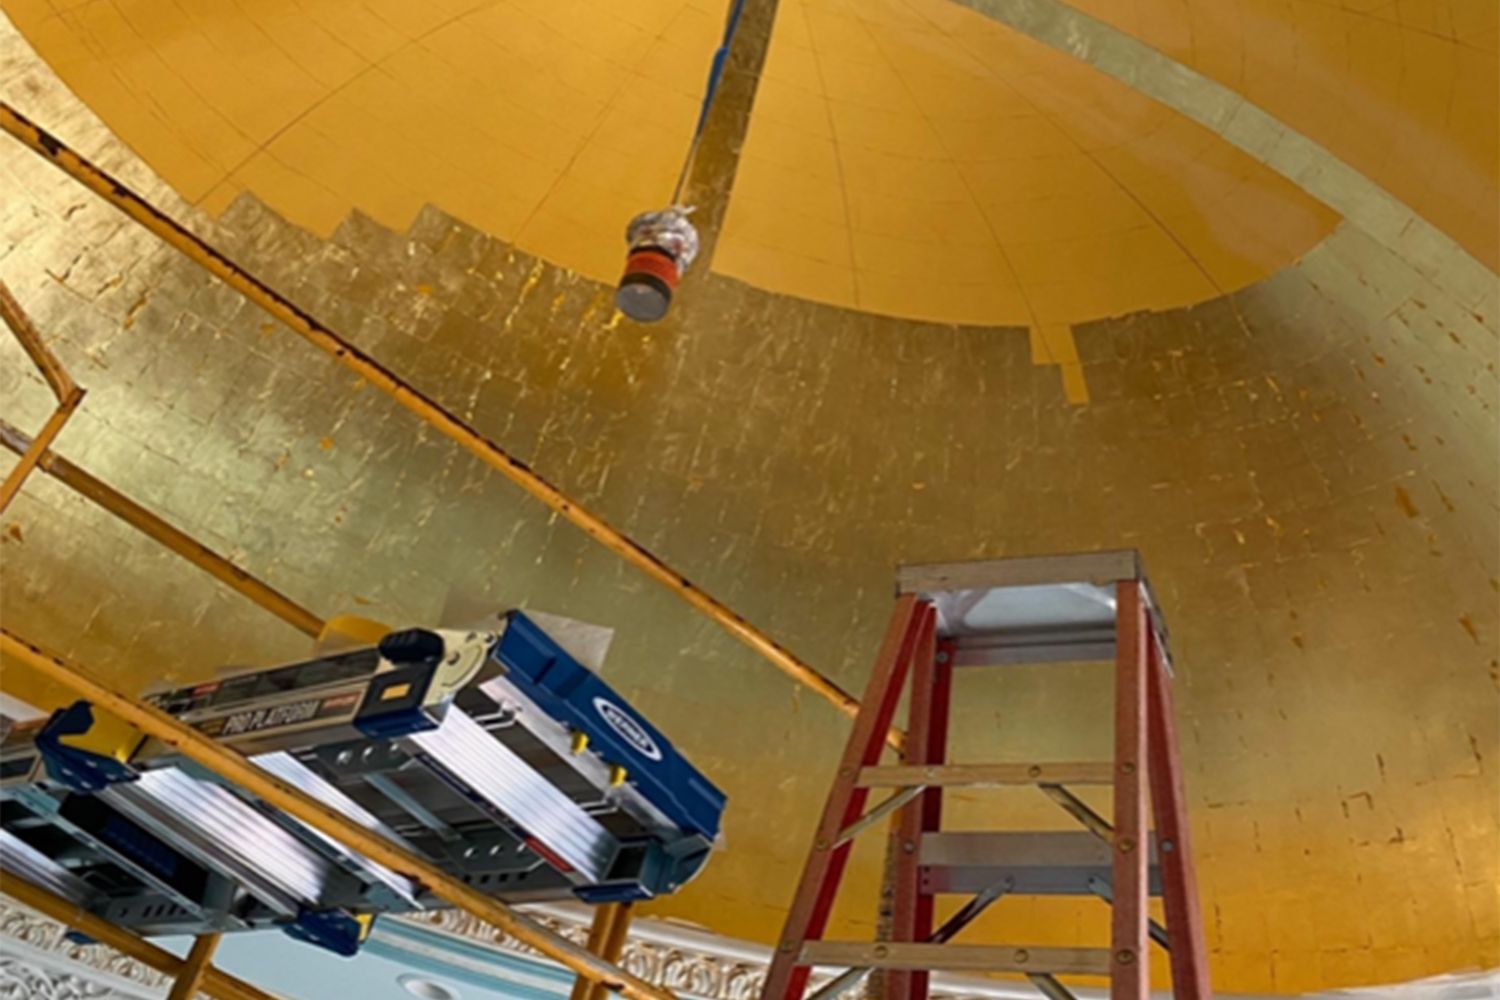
x=607, y=940
x=29, y=458
x=159, y=531
x=35, y=347
x=194, y=248
x=68, y=394
x=195, y=970
x=215, y=983
x=235, y=768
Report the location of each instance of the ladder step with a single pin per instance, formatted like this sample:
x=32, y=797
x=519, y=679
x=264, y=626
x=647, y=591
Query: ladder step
x=957, y=957
x=1036, y=864
x=934, y=776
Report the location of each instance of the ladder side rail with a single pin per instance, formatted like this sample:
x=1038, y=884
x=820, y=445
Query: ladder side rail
x=786, y=979
x=932, y=810
x=911, y=912
x=1129, y=966
x=1189, y=957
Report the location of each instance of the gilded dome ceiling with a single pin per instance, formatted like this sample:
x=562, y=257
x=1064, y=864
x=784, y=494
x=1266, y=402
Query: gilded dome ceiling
x=906, y=157
x=1305, y=456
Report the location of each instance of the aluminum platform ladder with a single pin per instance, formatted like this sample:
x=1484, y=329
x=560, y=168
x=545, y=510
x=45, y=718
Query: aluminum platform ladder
x=1051, y=609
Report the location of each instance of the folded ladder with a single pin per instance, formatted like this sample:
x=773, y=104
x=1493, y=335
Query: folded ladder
x=492, y=753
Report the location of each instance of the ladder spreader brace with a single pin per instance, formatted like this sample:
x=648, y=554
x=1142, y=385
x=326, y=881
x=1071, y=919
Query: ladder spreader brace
x=1095, y=606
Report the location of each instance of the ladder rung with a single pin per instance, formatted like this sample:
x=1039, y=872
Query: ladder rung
x=958, y=957
x=905, y=775
x=1039, y=864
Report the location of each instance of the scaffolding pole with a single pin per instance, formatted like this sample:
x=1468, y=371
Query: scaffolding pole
x=607, y=935
x=69, y=394
x=236, y=769
x=20, y=324
x=60, y=155
x=190, y=980
x=33, y=454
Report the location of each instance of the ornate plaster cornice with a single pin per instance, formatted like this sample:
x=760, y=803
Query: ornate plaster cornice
x=663, y=959
x=38, y=962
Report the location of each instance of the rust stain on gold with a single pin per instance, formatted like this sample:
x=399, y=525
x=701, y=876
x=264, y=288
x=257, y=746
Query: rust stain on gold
x=135, y=310
x=1404, y=501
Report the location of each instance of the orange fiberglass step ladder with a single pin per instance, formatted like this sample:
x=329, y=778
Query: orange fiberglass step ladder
x=1050, y=609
